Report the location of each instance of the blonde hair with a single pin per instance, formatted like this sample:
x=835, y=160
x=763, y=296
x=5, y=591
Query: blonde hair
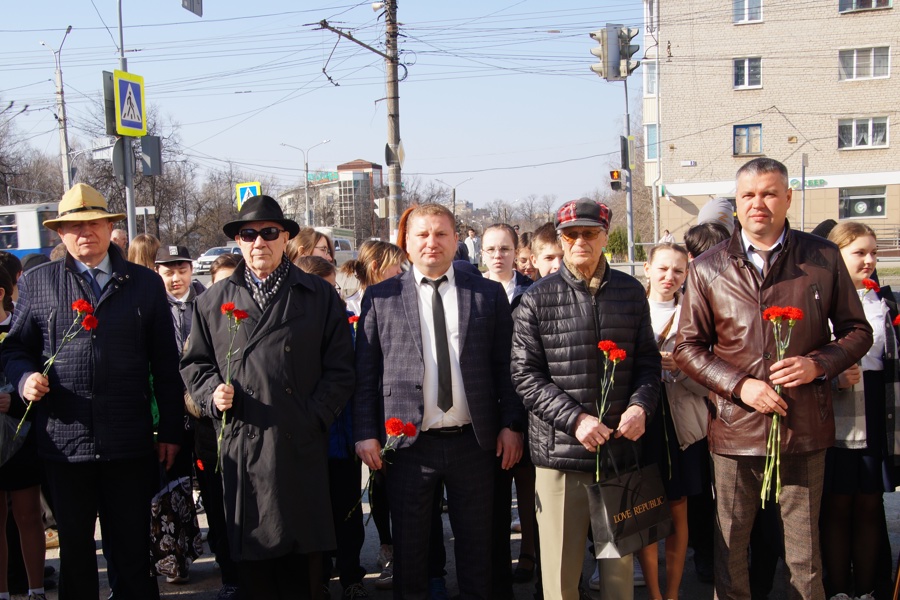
x=374, y=258
x=846, y=233
x=143, y=249
x=305, y=242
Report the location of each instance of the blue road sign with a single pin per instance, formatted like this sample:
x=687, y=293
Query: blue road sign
x=131, y=116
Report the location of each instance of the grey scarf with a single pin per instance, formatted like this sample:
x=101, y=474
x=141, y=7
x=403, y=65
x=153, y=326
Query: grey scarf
x=264, y=292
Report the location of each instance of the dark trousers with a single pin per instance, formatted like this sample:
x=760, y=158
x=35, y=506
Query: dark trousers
x=285, y=577
x=211, y=491
x=468, y=472
x=119, y=492
x=501, y=577
x=344, y=475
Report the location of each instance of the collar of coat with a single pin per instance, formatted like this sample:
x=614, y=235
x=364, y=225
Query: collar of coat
x=295, y=276
x=596, y=280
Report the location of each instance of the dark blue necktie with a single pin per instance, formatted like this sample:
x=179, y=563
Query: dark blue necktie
x=91, y=276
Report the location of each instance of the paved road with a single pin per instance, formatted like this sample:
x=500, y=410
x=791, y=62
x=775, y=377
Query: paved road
x=205, y=575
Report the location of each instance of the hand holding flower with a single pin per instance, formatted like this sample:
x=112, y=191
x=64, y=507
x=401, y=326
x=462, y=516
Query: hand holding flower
x=760, y=396
x=795, y=371
x=369, y=451
x=36, y=386
x=223, y=397
x=591, y=432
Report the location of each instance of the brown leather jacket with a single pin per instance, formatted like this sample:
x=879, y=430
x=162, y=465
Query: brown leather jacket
x=723, y=338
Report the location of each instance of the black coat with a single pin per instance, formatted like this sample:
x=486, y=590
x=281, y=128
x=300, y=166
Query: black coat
x=557, y=367
x=292, y=374
x=98, y=407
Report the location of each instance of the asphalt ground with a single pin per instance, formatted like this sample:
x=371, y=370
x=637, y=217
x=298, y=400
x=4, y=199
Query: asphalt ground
x=205, y=580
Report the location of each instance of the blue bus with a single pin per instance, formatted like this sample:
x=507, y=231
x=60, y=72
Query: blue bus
x=22, y=231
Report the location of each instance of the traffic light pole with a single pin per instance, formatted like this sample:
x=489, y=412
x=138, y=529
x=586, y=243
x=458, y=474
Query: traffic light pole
x=629, y=209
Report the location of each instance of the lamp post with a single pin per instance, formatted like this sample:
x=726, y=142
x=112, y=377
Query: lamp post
x=306, y=169
x=453, y=193
x=61, y=109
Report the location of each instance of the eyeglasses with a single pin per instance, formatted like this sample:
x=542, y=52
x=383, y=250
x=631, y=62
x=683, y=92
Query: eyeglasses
x=323, y=249
x=269, y=234
x=502, y=251
x=587, y=235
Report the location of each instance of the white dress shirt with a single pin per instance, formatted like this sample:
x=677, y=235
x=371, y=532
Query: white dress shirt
x=755, y=258
x=105, y=270
x=434, y=417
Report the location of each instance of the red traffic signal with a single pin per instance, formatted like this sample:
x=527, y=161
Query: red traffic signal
x=615, y=180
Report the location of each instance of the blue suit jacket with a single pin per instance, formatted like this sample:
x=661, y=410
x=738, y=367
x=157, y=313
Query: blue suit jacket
x=390, y=368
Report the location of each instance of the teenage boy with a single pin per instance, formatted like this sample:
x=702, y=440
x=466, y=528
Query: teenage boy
x=546, y=253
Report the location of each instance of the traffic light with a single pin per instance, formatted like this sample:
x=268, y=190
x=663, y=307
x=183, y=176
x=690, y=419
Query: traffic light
x=601, y=53
x=627, y=50
x=381, y=208
x=615, y=180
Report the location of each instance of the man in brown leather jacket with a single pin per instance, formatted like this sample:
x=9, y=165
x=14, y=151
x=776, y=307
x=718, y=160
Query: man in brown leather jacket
x=725, y=345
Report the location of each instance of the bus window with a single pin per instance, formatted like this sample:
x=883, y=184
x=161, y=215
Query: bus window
x=49, y=238
x=9, y=237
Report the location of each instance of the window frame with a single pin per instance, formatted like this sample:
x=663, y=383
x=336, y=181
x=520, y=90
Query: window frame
x=650, y=79
x=854, y=8
x=650, y=145
x=846, y=200
x=746, y=64
x=746, y=8
x=871, y=130
x=734, y=138
x=872, y=57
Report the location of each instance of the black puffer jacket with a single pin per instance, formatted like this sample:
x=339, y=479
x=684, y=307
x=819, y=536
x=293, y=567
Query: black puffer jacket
x=557, y=367
x=98, y=407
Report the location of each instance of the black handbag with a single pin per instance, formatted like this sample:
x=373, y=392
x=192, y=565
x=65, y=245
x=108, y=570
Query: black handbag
x=629, y=510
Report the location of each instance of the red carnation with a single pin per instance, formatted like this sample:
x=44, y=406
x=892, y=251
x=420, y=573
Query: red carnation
x=607, y=345
x=773, y=313
x=393, y=427
x=240, y=315
x=409, y=430
x=617, y=355
x=89, y=322
x=353, y=319
x=82, y=306
x=792, y=314
x=871, y=284
x=897, y=321
x=228, y=308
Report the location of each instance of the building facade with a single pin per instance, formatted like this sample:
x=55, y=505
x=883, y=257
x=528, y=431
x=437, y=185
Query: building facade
x=809, y=81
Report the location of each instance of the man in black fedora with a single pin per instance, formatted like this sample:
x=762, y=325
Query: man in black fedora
x=291, y=374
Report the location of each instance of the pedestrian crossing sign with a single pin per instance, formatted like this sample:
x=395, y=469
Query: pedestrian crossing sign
x=247, y=190
x=131, y=111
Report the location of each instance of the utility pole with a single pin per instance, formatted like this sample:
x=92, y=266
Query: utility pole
x=393, y=109
x=128, y=167
x=61, y=112
x=394, y=153
x=453, y=194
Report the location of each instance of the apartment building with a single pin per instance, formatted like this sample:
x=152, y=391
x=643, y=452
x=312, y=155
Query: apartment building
x=799, y=81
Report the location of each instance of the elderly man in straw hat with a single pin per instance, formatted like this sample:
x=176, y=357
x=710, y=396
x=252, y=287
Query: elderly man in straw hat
x=93, y=408
x=291, y=375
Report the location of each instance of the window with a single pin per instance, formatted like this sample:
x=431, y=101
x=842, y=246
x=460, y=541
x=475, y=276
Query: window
x=747, y=11
x=9, y=233
x=747, y=139
x=864, y=63
x=861, y=202
x=863, y=133
x=747, y=73
x=649, y=78
x=650, y=139
x=851, y=5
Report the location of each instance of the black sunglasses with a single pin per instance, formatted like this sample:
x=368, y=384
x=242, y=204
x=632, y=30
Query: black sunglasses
x=270, y=234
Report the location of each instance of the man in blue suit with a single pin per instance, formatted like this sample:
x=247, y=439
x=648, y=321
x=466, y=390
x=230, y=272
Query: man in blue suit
x=433, y=348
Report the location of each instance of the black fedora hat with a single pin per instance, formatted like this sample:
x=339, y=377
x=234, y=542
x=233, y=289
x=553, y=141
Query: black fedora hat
x=260, y=208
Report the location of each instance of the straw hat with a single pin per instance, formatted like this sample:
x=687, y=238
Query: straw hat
x=82, y=203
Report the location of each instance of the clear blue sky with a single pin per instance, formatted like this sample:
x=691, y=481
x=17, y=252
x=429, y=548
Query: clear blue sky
x=491, y=84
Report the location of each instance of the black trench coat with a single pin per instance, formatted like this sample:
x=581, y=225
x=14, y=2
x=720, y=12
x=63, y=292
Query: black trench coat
x=292, y=373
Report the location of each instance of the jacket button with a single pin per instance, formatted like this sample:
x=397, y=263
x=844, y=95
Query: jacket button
x=251, y=435
x=767, y=356
x=418, y=388
x=287, y=390
x=97, y=456
x=249, y=392
x=287, y=348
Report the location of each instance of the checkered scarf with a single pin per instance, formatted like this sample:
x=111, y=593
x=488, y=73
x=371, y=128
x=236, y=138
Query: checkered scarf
x=264, y=291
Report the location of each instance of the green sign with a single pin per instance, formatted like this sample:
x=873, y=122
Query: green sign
x=810, y=183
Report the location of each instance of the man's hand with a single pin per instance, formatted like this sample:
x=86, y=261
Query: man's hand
x=509, y=446
x=760, y=396
x=795, y=371
x=167, y=453
x=370, y=453
x=850, y=377
x=5, y=400
x=35, y=387
x=633, y=423
x=591, y=432
x=668, y=363
x=223, y=397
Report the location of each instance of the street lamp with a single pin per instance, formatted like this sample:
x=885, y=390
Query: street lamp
x=306, y=168
x=453, y=193
x=61, y=107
